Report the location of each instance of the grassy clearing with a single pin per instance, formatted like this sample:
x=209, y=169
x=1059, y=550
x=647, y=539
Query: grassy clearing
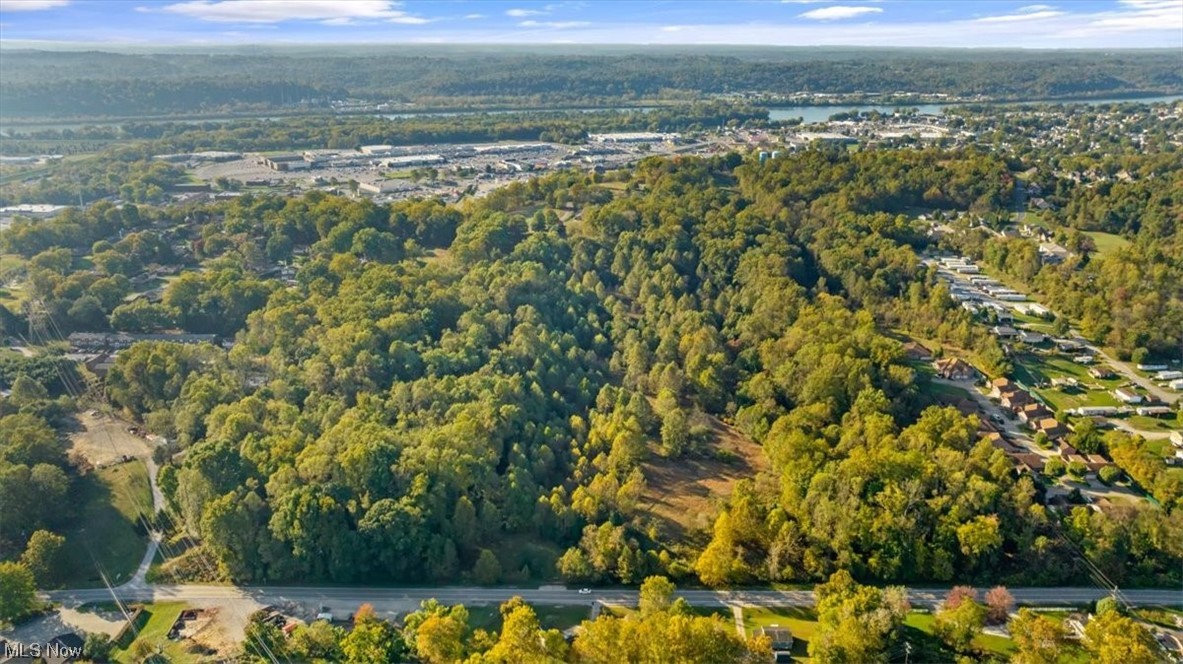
x=681, y=494
x=550, y=617
x=484, y=617
x=1147, y=423
x=562, y=617
x=154, y=631
x=1035, y=369
x=105, y=532
x=1107, y=242
x=918, y=627
x=946, y=391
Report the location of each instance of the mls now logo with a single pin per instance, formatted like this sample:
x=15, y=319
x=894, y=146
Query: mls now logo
x=54, y=650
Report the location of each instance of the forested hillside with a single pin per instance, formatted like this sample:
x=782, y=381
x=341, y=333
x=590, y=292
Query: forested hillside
x=88, y=84
x=478, y=391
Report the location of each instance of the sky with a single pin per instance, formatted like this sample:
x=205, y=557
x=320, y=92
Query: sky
x=914, y=23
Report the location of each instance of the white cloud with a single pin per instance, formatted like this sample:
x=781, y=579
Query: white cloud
x=1034, y=8
x=554, y=25
x=275, y=11
x=672, y=28
x=522, y=13
x=1143, y=15
x=1015, y=18
x=838, y=12
x=473, y=17
x=408, y=19
x=30, y=5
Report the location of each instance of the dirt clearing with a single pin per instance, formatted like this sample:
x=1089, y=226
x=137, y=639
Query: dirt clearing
x=682, y=494
x=104, y=439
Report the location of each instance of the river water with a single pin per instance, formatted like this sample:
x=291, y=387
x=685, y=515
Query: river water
x=810, y=114
x=776, y=113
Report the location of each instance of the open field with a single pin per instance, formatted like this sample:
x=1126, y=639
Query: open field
x=1147, y=423
x=1107, y=242
x=550, y=617
x=682, y=493
x=104, y=439
x=105, y=534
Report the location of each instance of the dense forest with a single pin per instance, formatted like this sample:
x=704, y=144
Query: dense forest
x=482, y=391
x=92, y=84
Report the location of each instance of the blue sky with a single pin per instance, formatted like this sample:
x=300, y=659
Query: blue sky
x=986, y=23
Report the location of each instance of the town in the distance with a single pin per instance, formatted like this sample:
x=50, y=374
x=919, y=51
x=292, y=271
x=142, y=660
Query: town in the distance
x=345, y=349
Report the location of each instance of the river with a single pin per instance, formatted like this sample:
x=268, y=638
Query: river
x=810, y=114
x=777, y=113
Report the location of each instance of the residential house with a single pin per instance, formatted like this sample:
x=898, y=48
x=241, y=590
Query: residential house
x=1095, y=462
x=782, y=641
x=1033, y=412
x=1004, y=331
x=955, y=368
x=1126, y=395
x=1067, y=345
x=1051, y=427
x=914, y=351
x=1153, y=411
x=1032, y=338
x=1000, y=385
x=1028, y=462
x=1101, y=373
x=1177, y=438
x=1015, y=399
x=1084, y=359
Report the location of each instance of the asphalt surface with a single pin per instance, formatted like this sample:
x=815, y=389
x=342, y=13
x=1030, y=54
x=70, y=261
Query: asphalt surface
x=394, y=599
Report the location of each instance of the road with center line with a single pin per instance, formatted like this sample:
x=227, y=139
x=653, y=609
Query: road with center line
x=398, y=599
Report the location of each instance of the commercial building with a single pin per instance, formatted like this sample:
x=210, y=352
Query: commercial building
x=286, y=162
x=32, y=210
x=410, y=160
x=633, y=137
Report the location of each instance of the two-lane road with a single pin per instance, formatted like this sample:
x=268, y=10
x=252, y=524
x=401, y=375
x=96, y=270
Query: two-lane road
x=401, y=599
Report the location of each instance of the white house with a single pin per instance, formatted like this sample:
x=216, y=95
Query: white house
x=1127, y=396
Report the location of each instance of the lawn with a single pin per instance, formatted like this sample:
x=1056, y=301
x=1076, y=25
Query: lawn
x=1033, y=369
x=1147, y=423
x=1107, y=242
x=918, y=626
x=556, y=617
x=105, y=533
x=484, y=617
x=562, y=617
x=802, y=622
x=155, y=623
x=1033, y=322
